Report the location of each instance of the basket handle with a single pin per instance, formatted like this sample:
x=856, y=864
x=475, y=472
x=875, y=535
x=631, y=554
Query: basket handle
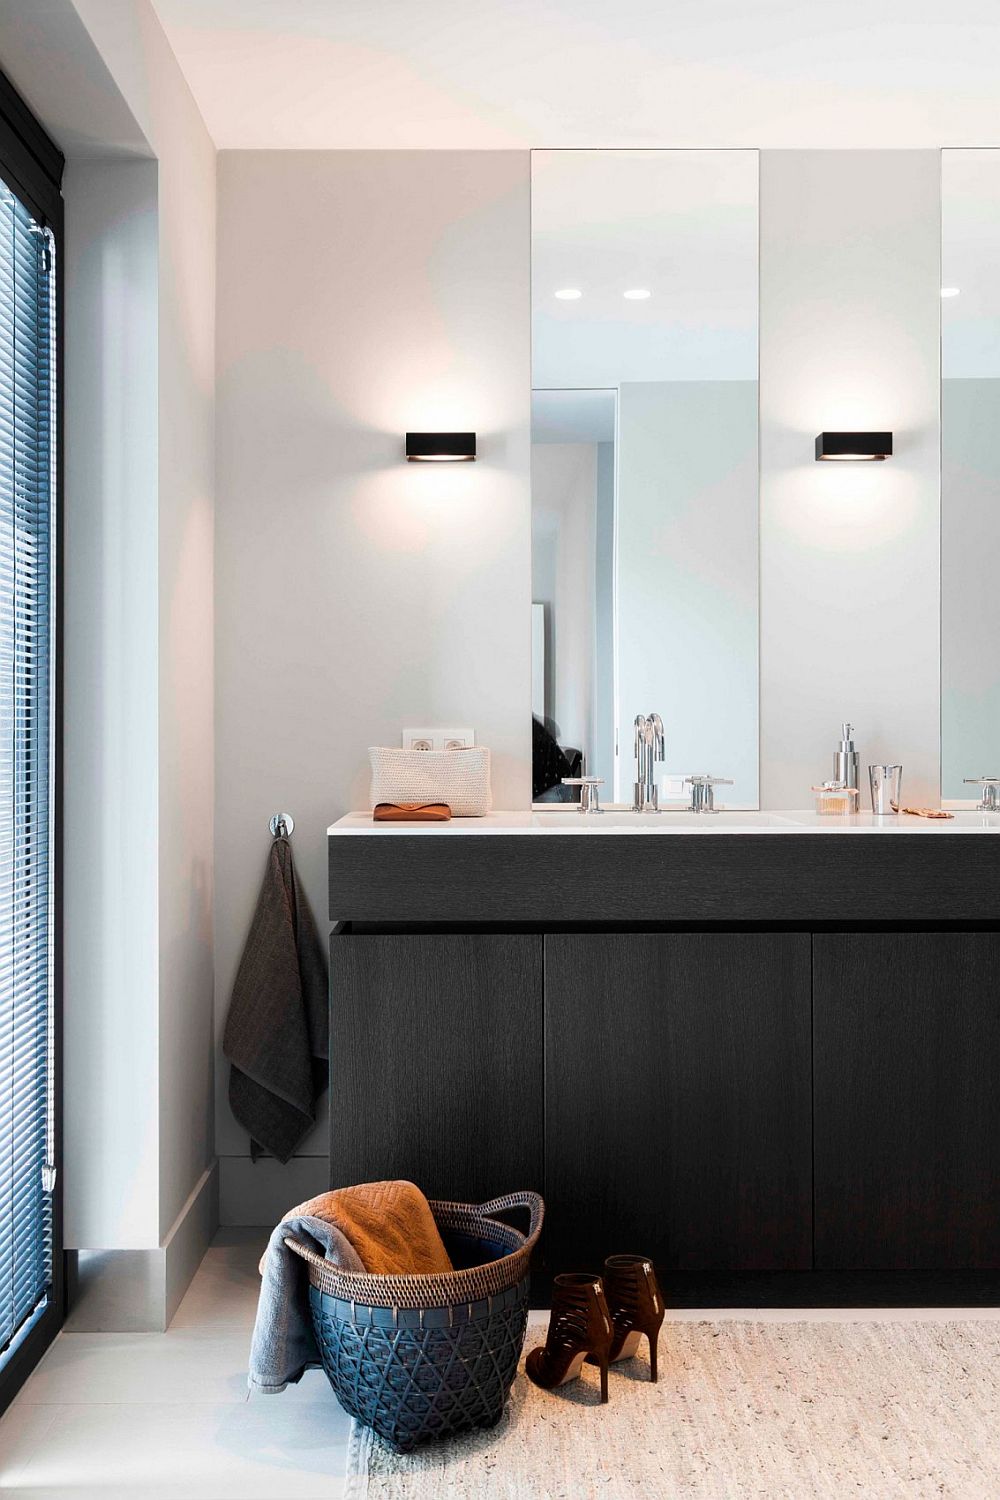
x=531, y=1201
x=306, y=1254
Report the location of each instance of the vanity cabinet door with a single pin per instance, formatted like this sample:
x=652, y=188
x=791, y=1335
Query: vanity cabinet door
x=436, y=1062
x=678, y=1099
x=907, y=1100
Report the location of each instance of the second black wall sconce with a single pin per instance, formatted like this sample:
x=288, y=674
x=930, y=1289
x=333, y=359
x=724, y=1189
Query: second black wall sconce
x=440, y=447
x=860, y=446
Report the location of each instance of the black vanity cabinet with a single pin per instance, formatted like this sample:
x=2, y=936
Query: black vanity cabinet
x=770, y=1062
x=436, y=1061
x=907, y=1100
x=678, y=1099
x=674, y=1068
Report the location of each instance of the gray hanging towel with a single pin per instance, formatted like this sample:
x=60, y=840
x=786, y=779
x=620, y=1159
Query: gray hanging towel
x=277, y=1029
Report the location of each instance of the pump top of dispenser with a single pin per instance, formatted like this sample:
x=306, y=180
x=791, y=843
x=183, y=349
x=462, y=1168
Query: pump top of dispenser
x=845, y=761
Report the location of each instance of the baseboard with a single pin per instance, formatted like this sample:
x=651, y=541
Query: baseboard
x=262, y=1191
x=118, y=1291
x=188, y=1238
x=138, y=1291
x=812, y=1289
x=831, y=1288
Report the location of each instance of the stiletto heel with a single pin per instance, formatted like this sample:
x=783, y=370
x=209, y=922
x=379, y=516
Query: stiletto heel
x=636, y=1305
x=579, y=1328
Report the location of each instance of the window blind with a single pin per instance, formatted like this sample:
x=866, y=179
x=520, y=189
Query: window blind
x=27, y=499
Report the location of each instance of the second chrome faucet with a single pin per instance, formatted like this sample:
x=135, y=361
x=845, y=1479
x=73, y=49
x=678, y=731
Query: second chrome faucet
x=649, y=752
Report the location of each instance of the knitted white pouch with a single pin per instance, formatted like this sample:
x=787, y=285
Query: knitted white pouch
x=459, y=777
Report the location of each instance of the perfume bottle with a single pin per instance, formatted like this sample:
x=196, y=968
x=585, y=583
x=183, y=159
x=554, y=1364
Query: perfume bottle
x=833, y=798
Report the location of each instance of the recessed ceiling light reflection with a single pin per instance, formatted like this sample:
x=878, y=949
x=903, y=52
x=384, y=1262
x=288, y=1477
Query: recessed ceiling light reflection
x=569, y=294
x=637, y=294
x=949, y=291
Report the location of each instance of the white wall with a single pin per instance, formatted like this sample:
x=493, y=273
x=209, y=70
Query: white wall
x=186, y=622
x=129, y=38
x=359, y=295
x=140, y=271
x=850, y=554
x=111, y=1139
x=687, y=576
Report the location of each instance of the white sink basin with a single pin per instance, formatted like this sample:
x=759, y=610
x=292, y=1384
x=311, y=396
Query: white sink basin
x=669, y=820
x=972, y=819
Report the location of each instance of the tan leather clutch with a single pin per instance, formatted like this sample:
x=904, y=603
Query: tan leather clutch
x=412, y=812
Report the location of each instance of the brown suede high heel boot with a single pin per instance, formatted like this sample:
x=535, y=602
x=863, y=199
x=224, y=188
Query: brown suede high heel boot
x=636, y=1306
x=579, y=1327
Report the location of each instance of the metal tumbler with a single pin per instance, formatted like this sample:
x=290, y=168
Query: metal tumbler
x=885, y=784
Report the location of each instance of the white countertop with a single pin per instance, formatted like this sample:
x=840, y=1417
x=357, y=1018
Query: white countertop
x=569, y=821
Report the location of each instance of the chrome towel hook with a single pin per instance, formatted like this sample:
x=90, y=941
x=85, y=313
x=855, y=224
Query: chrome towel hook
x=282, y=825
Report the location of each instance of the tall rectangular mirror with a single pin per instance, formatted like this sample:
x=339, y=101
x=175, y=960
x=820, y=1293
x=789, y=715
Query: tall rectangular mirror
x=970, y=469
x=644, y=468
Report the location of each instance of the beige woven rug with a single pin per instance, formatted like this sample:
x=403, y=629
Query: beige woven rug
x=783, y=1410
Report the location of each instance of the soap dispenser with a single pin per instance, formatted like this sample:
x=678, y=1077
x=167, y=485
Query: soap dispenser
x=845, y=761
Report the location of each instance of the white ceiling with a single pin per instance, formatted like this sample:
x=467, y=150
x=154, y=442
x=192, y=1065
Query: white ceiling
x=970, y=264
x=517, y=73
x=681, y=225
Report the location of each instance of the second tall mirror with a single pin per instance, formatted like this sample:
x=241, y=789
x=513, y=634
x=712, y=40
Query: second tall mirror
x=644, y=467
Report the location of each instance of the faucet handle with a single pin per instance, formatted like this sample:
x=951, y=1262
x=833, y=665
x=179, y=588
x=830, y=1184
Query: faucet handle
x=589, y=800
x=703, y=791
x=990, y=786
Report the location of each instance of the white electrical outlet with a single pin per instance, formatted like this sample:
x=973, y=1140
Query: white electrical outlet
x=438, y=739
x=672, y=787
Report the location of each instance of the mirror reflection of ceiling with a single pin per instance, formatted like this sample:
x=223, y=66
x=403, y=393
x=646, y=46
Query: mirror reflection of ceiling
x=680, y=225
x=572, y=416
x=970, y=264
x=489, y=74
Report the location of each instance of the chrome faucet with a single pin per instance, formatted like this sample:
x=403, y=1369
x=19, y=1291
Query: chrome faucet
x=590, y=802
x=990, y=785
x=649, y=751
x=703, y=792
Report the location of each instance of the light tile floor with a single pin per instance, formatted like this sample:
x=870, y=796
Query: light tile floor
x=157, y=1416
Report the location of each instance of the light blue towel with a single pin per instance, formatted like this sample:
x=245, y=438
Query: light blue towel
x=283, y=1346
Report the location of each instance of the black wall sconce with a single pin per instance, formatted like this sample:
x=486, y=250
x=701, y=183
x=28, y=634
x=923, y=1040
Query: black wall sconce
x=440, y=447
x=857, y=446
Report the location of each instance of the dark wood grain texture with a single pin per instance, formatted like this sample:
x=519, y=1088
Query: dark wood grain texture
x=907, y=1100
x=725, y=878
x=678, y=1099
x=436, y=1063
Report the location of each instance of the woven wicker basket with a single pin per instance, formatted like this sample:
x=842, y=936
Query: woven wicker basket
x=459, y=777
x=417, y=1357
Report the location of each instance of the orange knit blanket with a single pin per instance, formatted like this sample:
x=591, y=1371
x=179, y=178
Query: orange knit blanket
x=389, y=1224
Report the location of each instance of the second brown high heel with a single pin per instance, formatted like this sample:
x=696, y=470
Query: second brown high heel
x=579, y=1328
x=636, y=1306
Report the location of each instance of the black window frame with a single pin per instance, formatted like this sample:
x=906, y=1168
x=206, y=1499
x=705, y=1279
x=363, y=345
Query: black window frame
x=32, y=166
